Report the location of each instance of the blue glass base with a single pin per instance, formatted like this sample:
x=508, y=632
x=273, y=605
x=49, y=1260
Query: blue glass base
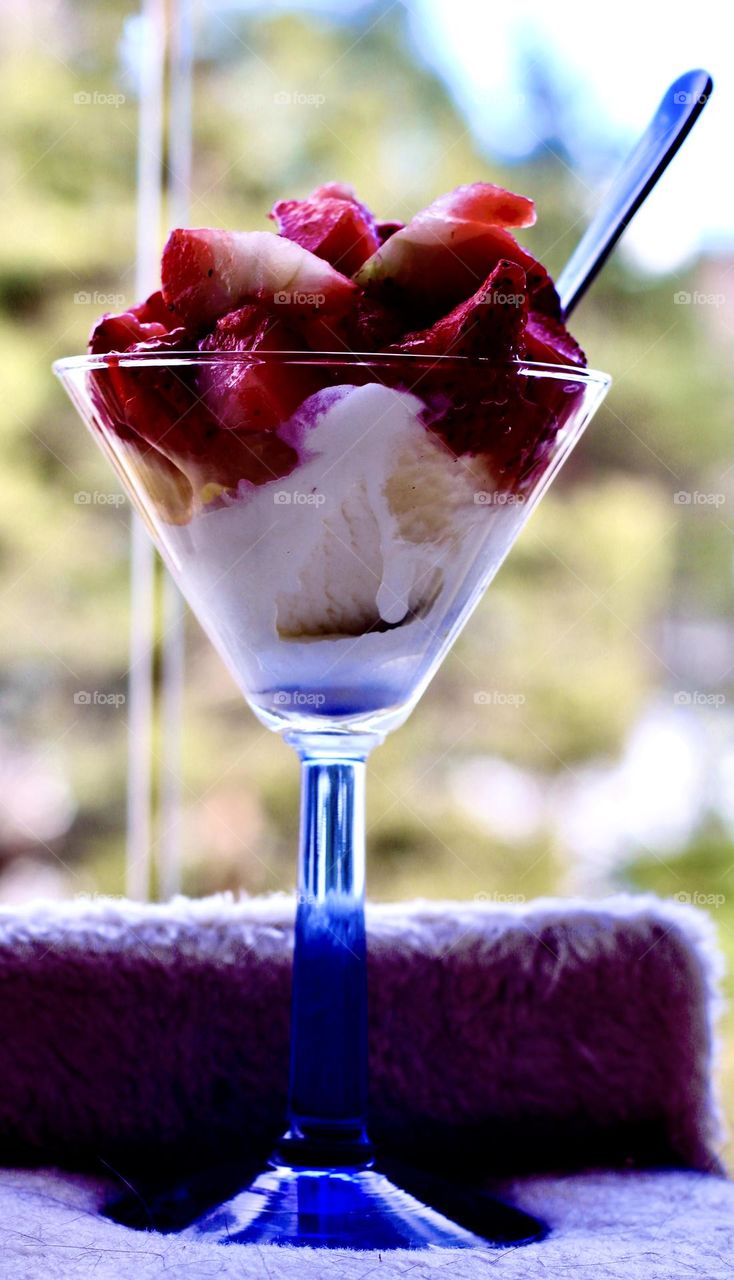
x=337, y=1208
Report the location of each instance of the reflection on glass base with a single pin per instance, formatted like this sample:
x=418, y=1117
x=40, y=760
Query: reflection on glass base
x=347, y=1209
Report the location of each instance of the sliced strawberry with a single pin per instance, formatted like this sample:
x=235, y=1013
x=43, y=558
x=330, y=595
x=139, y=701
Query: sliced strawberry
x=368, y=326
x=332, y=224
x=485, y=203
x=445, y=252
x=161, y=410
x=386, y=229
x=251, y=327
x=453, y=282
x=499, y=413
x=548, y=340
x=490, y=323
x=372, y=326
x=495, y=409
x=344, y=191
x=167, y=410
x=427, y=278
x=255, y=395
x=149, y=319
x=207, y=273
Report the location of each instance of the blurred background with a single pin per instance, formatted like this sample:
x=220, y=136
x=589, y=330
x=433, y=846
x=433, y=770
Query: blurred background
x=580, y=738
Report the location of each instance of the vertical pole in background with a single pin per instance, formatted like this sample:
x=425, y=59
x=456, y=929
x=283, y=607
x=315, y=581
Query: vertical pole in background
x=178, y=133
x=142, y=572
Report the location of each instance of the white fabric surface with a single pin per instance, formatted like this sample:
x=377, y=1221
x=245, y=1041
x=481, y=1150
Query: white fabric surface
x=605, y=1226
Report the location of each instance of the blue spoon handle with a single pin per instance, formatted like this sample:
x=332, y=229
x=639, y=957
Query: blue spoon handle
x=679, y=109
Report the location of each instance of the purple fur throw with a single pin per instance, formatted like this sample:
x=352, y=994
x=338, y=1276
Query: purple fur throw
x=553, y=1036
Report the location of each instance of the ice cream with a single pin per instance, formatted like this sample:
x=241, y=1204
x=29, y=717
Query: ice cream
x=334, y=582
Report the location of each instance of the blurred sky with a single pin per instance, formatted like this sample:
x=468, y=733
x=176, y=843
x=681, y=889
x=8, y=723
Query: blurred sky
x=615, y=61
x=623, y=56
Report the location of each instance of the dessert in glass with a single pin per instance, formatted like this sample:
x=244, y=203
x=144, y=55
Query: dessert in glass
x=334, y=433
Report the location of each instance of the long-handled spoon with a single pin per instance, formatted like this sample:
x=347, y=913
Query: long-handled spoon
x=679, y=109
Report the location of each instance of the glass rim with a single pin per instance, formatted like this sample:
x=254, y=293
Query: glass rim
x=536, y=368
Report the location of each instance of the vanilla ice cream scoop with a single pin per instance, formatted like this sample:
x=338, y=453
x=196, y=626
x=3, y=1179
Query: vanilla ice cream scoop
x=388, y=499
x=341, y=579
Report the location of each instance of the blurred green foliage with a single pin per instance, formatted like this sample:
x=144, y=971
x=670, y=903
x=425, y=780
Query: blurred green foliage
x=573, y=622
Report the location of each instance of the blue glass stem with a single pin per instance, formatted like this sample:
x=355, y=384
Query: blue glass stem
x=328, y=1074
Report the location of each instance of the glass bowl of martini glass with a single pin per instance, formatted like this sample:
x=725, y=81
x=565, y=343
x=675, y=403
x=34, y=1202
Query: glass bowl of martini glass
x=332, y=559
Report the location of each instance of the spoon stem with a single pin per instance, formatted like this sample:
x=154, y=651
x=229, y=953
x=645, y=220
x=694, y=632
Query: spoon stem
x=680, y=107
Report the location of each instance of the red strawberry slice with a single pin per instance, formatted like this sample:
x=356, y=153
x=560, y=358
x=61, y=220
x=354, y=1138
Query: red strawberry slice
x=490, y=323
x=548, y=340
x=445, y=252
x=207, y=273
x=386, y=229
x=453, y=282
x=344, y=191
x=166, y=486
x=163, y=410
x=249, y=328
x=430, y=277
x=484, y=202
x=367, y=326
x=255, y=395
x=149, y=319
x=330, y=223
x=483, y=410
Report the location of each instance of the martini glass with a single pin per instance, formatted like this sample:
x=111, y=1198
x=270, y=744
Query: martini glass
x=332, y=558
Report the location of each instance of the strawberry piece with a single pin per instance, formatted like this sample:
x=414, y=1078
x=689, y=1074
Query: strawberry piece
x=207, y=273
x=344, y=191
x=149, y=319
x=453, y=282
x=484, y=202
x=490, y=323
x=250, y=328
x=371, y=326
x=163, y=412
x=498, y=412
x=332, y=224
x=445, y=252
x=386, y=229
x=255, y=395
x=165, y=484
x=367, y=326
x=549, y=341
x=426, y=279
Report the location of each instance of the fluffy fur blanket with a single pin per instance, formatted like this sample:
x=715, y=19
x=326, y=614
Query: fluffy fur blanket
x=555, y=1035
